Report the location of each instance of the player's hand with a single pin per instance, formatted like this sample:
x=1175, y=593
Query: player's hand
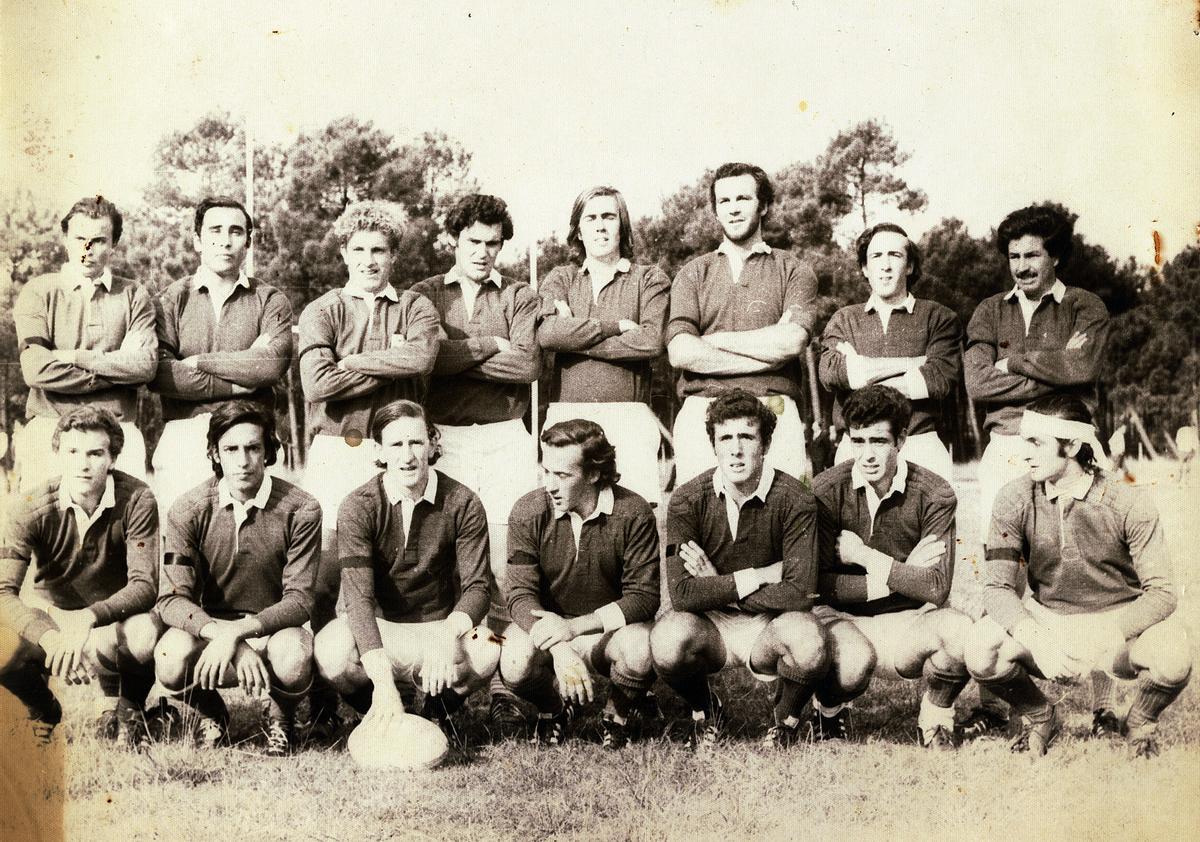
x=215, y=659
x=386, y=705
x=562, y=308
x=627, y=325
x=549, y=630
x=845, y=349
x=260, y=342
x=438, y=667
x=1002, y=365
x=695, y=560
x=503, y=344
x=65, y=355
x=191, y=362
x=928, y=552
x=1077, y=341
x=252, y=675
x=785, y=318
x=1054, y=662
x=574, y=680
x=772, y=574
x=239, y=389
x=850, y=547
x=74, y=627
x=60, y=658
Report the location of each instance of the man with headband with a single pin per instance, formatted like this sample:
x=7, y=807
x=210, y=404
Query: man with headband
x=1099, y=594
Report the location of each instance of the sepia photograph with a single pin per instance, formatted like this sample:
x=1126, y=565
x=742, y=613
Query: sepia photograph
x=687, y=419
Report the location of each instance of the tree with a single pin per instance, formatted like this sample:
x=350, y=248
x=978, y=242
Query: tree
x=959, y=270
x=858, y=169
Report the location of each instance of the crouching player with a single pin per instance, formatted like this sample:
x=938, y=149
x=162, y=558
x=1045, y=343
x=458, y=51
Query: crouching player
x=1100, y=595
x=415, y=582
x=236, y=583
x=583, y=586
x=887, y=560
x=741, y=568
x=92, y=536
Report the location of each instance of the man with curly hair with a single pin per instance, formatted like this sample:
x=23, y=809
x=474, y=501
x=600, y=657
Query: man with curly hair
x=86, y=338
x=479, y=392
x=221, y=335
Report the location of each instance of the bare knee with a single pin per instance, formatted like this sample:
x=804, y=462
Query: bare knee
x=290, y=652
x=138, y=636
x=804, y=642
x=172, y=658
x=335, y=651
x=517, y=657
x=481, y=653
x=1166, y=655
x=852, y=659
x=628, y=651
x=981, y=649
x=676, y=642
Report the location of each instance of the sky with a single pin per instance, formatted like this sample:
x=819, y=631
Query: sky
x=1093, y=104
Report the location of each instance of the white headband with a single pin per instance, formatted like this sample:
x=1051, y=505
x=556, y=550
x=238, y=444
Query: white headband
x=1037, y=424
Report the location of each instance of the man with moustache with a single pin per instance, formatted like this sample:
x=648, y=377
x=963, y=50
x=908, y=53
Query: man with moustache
x=740, y=316
x=604, y=319
x=86, y=338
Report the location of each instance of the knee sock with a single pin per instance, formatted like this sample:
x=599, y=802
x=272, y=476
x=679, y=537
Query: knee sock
x=207, y=703
x=135, y=687
x=693, y=689
x=29, y=683
x=942, y=686
x=790, y=698
x=360, y=700
x=1019, y=690
x=444, y=704
x=623, y=699
x=1151, y=700
x=988, y=700
x=1104, y=691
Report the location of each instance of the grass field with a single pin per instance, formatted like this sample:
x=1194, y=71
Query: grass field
x=881, y=783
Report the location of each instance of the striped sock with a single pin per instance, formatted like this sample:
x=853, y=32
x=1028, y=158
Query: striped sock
x=942, y=687
x=1151, y=700
x=1104, y=691
x=1019, y=690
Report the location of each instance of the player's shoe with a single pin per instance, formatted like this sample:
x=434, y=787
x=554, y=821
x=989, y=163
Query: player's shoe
x=1036, y=737
x=106, y=725
x=613, y=735
x=1105, y=723
x=160, y=724
x=781, y=736
x=553, y=730
x=1143, y=742
x=836, y=727
x=278, y=730
x=706, y=732
x=434, y=709
x=506, y=720
x=318, y=720
x=938, y=738
x=983, y=722
x=212, y=719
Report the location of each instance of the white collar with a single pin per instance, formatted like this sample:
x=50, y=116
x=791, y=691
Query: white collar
x=726, y=248
x=454, y=276
x=396, y=494
x=879, y=305
x=590, y=266
x=1057, y=289
x=899, y=481
x=258, y=501
x=73, y=278
x=764, y=483
x=604, y=505
x=107, y=500
x=1077, y=487
x=206, y=278
x=388, y=292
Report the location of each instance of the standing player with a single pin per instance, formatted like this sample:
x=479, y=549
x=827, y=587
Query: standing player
x=741, y=570
x=739, y=317
x=415, y=581
x=487, y=357
x=583, y=586
x=86, y=338
x=1092, y=551
x=887, y=561
x=92, y=538
x=237, y=579
x=604, y=320
x=1039, y=338
x=221, y=335
x=911, y=344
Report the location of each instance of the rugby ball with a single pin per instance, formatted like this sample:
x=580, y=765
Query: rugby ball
x=406, y=742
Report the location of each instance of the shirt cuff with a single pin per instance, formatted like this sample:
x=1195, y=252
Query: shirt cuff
x=877, y=587
x=611, y=616
x=1002, y=365
x=747, y=582
x=914, y=381
x=854, y=371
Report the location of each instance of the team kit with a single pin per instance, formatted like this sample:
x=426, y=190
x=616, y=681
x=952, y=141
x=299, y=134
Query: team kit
x=426, y=556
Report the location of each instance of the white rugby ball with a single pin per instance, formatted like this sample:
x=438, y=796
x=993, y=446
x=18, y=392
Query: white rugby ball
x=406, y=742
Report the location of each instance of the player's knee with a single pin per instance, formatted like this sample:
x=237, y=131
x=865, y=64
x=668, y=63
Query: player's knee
x=629, y=652
x=517, y=657
x=290, y=652
x=981, y=649
x=481, y=652
x=675, y=642
x=334, y=650
x=139, y=635
x=172, y=656
x=1169, y=663
x=14, y=650
x=803, y=640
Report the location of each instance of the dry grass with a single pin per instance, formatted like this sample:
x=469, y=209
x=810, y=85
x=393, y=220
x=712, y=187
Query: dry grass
x=880, y=784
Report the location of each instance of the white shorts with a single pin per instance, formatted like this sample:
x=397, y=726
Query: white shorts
x=407, y=643
x=884, y=631
x=694, y=452
x=335, y=468
x=924, y=449
x=739, y=632
x=632, y=429
x=36, y=462
x=1002, y=462
x=496, y=461
x=1094, y=637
